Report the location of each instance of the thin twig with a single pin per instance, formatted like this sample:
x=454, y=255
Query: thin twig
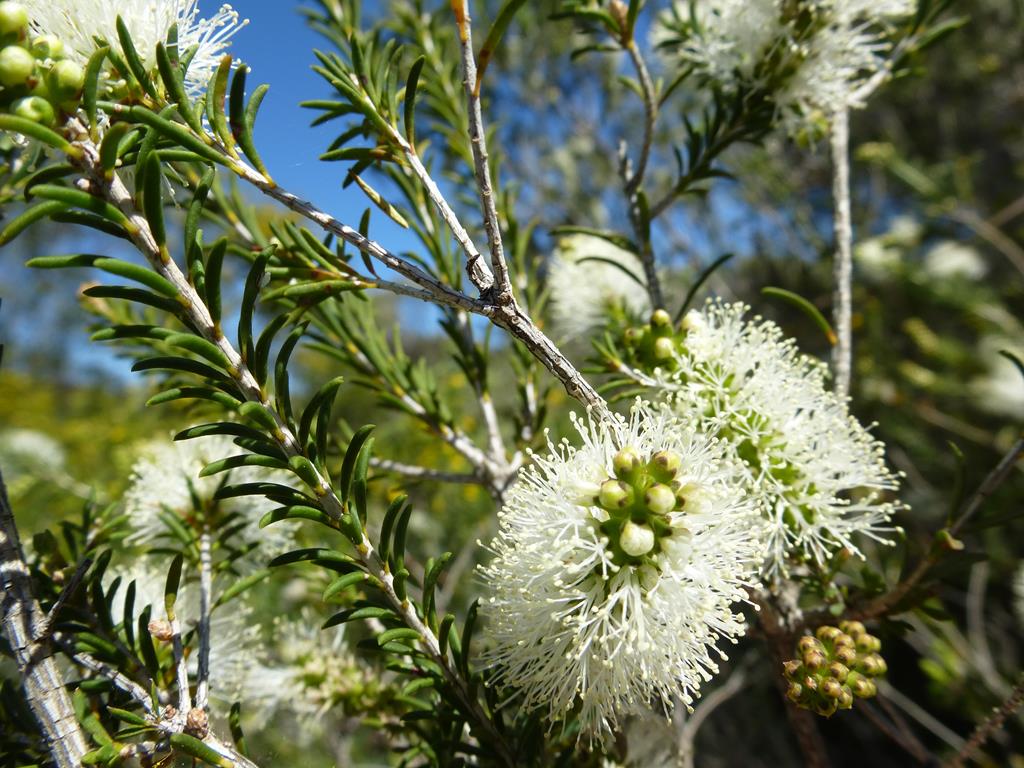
x=40, y=676
x=708, y=704
x=985, y=729
x=203, y=626
x=911, y=746
x=502, y=289
x=922, y=716
x=843, y=265
x=416, y=472
x=108, y=671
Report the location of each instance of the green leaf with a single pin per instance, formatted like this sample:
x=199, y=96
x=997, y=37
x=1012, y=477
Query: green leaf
x=235, y=724
x=357, y=614
x=240, y=586
x=93, y=70
x=703, y=278
x=398, y=633
x=388, y=525
x=804, y=306
x=219, y=428
x=296, y=512
x=260, y=414
x=139, y=274
x=411, y=85
x=197, y=749
x=249, y=298
x=494, y=35
x=212, y=272
x=242, y=460
x=27, y=218
x=153, y=199
x=216, y=95
x=133, y=60
x=348, y=464
x=245, y=137
x=342, y=583
x=136, y=295
x=171, y=586
x=34, y=130
x=176, y=132
x=109, y=148
x=77, y=198
x=201, y=347
x=174, y=82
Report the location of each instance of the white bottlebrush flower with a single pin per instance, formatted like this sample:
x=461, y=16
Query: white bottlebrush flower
x=615, y=570
x=816, y=472
x=950, y=259
x=589, y=278
x=877, y=258
x=77, y=23
x=165, y=480
x=1000, y=390
x=816, y=56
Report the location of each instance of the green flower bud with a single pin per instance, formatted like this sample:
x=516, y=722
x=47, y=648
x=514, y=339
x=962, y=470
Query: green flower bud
x=868, y=644
x=793, y=692
x=35, y=108
x=815, y=660
x=791, y=669
x=826, y=708
x=660, y=499
x=47, y=47
x=853, y=628
x=66, y=80
x=843, y=640
x=827, y=633
x=626, y=461
x=13, y=18
x=845, y=654
x=808, y=644
x=661, y=319
x=810, y=683
x=636, y=540
x=860, y=686
x=846, y=699
x=664, y=348
x=16, y=65
x=832, y=688
x=615, y=495
x=632, y=336
x=839, y=671
x=873, y=665
x=667, y=463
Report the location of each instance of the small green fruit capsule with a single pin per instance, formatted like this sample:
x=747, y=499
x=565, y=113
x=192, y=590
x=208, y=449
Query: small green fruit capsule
x=846, y=699
x=631, y=336
x=47, y=47
x=858, y=685
x=793, y=692
x=636, y=540
x=874, y=665
x=664, y=348
x=843, y=640
x=815, y=660
x=668, y=463
x=661, y=319
x=831, y=688
x=838, y=671
x=16, y=66
x=826, y=709
x=615, y=495
x=13, y=18
x=808, y=644
x=845, y=654
x=660, y=499
x=626, y=461
x=827, y=633
x=853, y=628
x=868, y=644
x=35, y=108
x=66, y=80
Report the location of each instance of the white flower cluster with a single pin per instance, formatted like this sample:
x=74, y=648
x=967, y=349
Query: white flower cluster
x=816, y=56
x=589, y=278
x=616, y=568
x=79, y=23
x=817, y=474
x=165, y=480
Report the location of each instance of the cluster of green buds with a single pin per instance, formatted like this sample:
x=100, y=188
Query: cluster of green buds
x=36, y=81
x=639, y=497
x=657, y=344
x=835, y=666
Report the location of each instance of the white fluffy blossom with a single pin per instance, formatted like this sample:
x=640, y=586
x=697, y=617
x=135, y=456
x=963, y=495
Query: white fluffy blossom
x=816, y=472
x=611, y=613
x=589, y=278
x=165, y=480
x=79, y=22
x=817, y=56
x=950, y=259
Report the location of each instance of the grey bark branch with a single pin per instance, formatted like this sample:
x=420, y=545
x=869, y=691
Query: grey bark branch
x=502, y=289
x=203, y=628
x=114, y=191
x=843, y=264
x=41, y=679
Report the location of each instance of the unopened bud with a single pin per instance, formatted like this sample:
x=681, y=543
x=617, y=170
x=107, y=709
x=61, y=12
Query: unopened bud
x=13, y=18
x=660, y=499
x=843, y=640
x=868, y=643
x=16, y=66
x=36, y=109
x=661, y=319
x=827, y=633
x=667, y=463
x=860, y=686
x=791, y=669
x=631, y=336
x=808, y=644
x=161, y=630
x=47, y=47
x=793, y=691
x=873, y=665
x=626, y=461
x=66, y=80
x=846, y=699
x=664, y=348
x=838, y=671
x=615, y=494
x=636, y=540
x=826, y=708
x=845, y=654
x=832, y=688
x=815, y=660
x=853, y=628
